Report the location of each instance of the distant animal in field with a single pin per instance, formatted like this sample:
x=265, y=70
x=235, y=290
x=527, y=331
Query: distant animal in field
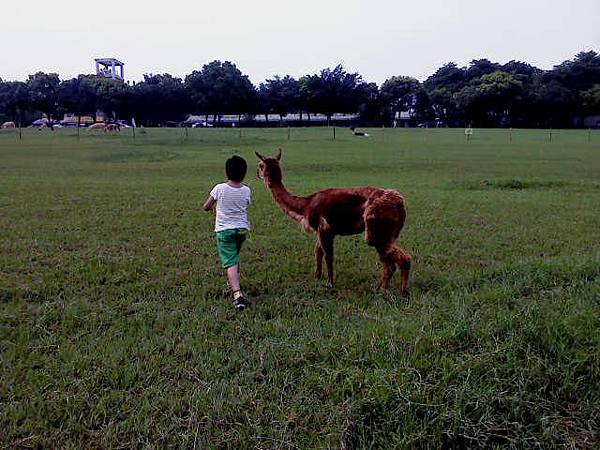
x=380, y=213
x=105, y=126
x=48, y=125
x=112, y=127
x=8, y=125
x=358, y=133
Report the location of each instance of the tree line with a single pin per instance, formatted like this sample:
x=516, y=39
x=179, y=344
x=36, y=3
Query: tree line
x=484, y=93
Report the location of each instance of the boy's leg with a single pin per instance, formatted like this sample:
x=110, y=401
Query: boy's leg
x=229, y=243
x=233, y=276
x=233, y=273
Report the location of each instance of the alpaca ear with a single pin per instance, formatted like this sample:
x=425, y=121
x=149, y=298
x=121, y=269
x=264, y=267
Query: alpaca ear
x=278, y=156
x=261, y=157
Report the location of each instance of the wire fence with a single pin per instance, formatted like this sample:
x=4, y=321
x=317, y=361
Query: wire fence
x=470, y=136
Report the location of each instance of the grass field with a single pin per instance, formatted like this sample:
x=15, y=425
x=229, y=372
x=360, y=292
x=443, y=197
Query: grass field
x=115, y=330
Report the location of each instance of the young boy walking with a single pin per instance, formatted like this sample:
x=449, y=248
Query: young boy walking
x=231, y=224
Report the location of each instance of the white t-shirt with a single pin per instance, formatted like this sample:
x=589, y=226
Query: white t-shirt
x=232, y=206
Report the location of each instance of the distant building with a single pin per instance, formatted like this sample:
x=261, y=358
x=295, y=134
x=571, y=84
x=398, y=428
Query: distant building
x=110, y=68
x=402, y=119
x=72, y=119
x=311, y=118
x=341, y=119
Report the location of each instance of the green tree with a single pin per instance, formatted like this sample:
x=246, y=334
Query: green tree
x=442, y=88
x=15, y=101
x=43, y=92
x=332, y=91
x=220, y=88
x=444, y=105
x=159, y=98
x=561, y=90
x=520, y=68
x=78, y=96
x=110, y=94
x=480, y=67
x=591, y=99
x=449, y=77
x=579, y=74
x=400, y=93
x=489, y=100
x=281, y=95
x=373, y=110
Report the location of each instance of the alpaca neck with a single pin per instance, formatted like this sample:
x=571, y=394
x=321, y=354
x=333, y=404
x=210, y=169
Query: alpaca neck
x=290, y=204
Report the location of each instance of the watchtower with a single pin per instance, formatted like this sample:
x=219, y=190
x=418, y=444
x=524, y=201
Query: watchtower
x=107, y=67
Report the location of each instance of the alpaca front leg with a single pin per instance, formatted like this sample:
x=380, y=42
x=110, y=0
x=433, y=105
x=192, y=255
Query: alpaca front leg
x=388, y=273
x=326, y=242
x=318, y=260
x=402, y=260
x=388, y=263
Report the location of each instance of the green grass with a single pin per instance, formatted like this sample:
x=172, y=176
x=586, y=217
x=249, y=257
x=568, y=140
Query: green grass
x=115, y=331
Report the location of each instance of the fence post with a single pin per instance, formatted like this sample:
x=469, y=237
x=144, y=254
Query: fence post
x=510, y=135
x=20, y=121
x=589, y=135
x=288, y=132
x=550, y=135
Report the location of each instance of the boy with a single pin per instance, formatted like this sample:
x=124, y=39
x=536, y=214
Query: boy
x=231, y=225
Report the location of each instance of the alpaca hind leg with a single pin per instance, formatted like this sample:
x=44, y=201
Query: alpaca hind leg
x=318, y=260
x=326, y=242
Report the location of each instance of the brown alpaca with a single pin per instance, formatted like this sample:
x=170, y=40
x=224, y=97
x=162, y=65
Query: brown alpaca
x=378, y=212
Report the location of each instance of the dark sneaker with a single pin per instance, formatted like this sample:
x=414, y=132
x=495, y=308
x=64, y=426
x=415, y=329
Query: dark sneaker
x=240, y=303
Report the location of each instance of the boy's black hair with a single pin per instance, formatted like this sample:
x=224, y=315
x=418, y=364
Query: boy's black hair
x=236, y=168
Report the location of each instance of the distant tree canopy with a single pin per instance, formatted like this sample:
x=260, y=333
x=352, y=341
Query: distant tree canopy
x=158, y=99
x=15, y=102
x=220, y=88
x=331, y=91
x=78, y=96
x=484, y=93
x=280, y=96
x=43, y=92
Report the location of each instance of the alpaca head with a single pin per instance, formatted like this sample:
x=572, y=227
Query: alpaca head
x=269, y=169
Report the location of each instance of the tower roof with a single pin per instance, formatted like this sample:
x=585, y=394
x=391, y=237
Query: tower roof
x=109, y=61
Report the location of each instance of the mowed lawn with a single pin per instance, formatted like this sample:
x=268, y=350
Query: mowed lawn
x=116, y=331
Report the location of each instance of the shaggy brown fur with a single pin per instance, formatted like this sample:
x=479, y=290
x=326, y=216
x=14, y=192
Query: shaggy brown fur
x=380, y=213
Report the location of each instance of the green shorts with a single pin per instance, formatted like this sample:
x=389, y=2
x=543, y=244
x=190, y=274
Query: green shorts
x=229, y=244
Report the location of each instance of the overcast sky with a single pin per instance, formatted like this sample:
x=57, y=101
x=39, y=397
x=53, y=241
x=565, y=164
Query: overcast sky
x=377, y=38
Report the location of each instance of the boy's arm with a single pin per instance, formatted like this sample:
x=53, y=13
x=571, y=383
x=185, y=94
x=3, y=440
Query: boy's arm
x=209, y=203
